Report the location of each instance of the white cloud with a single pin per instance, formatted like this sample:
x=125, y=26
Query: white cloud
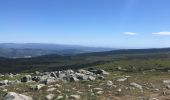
x=162, y=33
x=129, y=33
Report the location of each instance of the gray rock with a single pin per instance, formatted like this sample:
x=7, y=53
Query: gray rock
x=74, y=79
x=133, y=84
x=4, y=82
x=119, y=90
x=109, y=83
x=36, y=78
x=60, y=74
x=60, y=97
x=91, y=78
x=4, y=90
x=26, y=78
x=153, y=99
x=51, y=89
x=81, y=76
x=50, y=80
x=16, y=96
x=53, y=74
x=37, y=72
x=57, y=85
x=104, y=72
x=75, y=97
x=58, y=91
x=37, y=87
x=69, y=72
x=49, y=97
x=168, y=87
x=122, y=79
x=12, y=82
x=99, y=92
x=100, y=71
x=85, y=72
x=97, y=89
x=166, y=81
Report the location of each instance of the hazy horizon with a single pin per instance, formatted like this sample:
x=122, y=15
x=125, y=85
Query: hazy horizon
x=114, y=48
x=94, y=23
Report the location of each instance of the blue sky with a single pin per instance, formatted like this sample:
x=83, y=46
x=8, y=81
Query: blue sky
x=106, y=23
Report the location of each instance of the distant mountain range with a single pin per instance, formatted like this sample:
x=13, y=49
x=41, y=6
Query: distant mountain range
x=27, y=50
x=42, y=60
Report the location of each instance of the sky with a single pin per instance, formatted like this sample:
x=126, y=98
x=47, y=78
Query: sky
x=101, y=23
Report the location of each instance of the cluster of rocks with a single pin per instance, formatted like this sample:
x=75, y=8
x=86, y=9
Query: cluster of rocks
x=66, y=75
x=51, y=77
x=46, y=78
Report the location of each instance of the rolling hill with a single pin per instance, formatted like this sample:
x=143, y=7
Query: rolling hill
x=158, y=57
x=27, y=50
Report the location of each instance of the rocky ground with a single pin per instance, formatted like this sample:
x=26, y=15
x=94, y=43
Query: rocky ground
x=91, y=84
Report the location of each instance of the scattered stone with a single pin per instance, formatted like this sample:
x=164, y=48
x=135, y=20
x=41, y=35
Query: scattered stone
x=66, y=97
x=119, y=68
x=89, y=86
x=133, y=84
x=59, y=97
x=81, y=76
x=16, y=96
x=4, y=82
x=26, y=78
x=100, y=92
x=12, y=82
x=58, y=91
x=51, y=89
x=100, y=71
x=168, y=87
x=153, y=99
x=37, y=72
x=104, y=72
x=115, y=86
x=92, y=94
x=11, y=75
x=166, y=81
x=119, y=90
x=4, y=90
x=76, y=97
x=79, y=92
x=74, y=79
x=121, y=79
x=37, y=87
x=36, y=78
x=50, y=86
x=101, y=77
x=109, y=83
x=127, y=76
x=166, y=92
x=91, y=78
x=98, y=89
x=57, y=85
x=53, y=74
x=49, y=97
x=50, y=80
